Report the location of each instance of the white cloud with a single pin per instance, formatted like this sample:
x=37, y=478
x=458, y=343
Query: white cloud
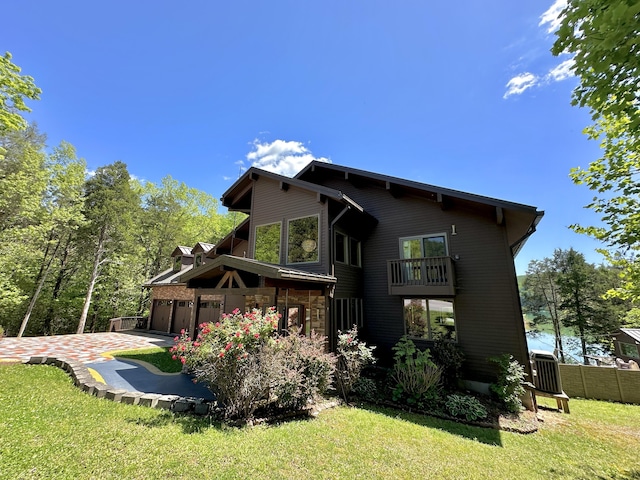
x=520, y=83
x=282, y=157
x=552, y=17
x=562, y=71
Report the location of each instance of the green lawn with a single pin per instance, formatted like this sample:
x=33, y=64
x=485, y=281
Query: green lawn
x=156, y=356
x=51, y=430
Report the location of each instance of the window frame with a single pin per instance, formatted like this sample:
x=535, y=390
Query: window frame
x=626, y=347
x=198, y=260
x=317, y=249
x=422, y=238
x=345, y=250
x=451, y=335
x=177, y=263
x=358, y=243
x=255, y=241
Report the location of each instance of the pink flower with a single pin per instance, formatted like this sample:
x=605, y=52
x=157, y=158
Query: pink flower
x=182, y=332
x=196, y=344
x=183, y=360
x=236, y=311
x=256, y=335
x=221, y=354
x=228, y=346
x=176, y=339
x=173, y=357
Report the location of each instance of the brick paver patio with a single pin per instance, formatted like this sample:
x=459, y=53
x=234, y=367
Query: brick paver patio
x=85, y=348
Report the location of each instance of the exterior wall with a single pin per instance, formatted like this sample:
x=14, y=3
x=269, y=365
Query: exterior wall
x=171, y=292
x=487, y=306
x=622, y=337
x=271, y=204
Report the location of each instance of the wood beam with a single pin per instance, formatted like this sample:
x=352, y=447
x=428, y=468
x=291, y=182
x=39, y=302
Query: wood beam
x=499, y=216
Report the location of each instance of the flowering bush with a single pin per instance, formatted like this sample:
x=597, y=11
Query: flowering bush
x=353, y=355
x=247, y=365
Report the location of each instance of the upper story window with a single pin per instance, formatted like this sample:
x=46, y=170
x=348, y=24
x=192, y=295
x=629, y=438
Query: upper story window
x=177, y=262
x=424, y=246
x=347, y=250
x=303, y=239
x=267, y=243
x=198, y=260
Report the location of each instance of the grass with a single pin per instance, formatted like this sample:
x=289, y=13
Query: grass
x=156, y=356
x=50, y=429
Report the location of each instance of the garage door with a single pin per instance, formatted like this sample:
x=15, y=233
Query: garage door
x=160, y=315
x=209, y=311
x=181, y=316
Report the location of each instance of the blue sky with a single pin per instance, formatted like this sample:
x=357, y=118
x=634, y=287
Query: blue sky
x=465, y=96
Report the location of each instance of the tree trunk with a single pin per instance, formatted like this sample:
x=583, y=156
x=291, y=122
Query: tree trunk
x=44, y=271
x=95, y=273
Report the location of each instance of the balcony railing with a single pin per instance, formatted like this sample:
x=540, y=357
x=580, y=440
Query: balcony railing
x=433, y=276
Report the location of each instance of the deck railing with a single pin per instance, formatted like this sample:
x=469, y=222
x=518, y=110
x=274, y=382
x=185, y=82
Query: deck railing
x=418, y=274
x=120, y=324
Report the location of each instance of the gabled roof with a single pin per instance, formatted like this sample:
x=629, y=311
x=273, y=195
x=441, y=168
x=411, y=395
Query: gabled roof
x=250, y=265
x=314, y=167
x=168, y=277
x=202, y=247
x=181, y=250
x=238, y=197
x=632, y=332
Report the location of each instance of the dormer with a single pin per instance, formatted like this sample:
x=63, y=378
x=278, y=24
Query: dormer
x=182, y=258
x=199, y=252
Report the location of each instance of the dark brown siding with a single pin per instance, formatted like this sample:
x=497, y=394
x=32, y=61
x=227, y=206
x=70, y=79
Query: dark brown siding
x=271, y=204
x=489, y=319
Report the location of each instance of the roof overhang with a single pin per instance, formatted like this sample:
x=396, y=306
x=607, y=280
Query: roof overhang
x=218, y=266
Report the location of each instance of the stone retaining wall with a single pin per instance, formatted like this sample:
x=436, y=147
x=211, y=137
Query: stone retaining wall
x=83, y=380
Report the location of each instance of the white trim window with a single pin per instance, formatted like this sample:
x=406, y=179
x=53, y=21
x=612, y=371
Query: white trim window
x=424, y=246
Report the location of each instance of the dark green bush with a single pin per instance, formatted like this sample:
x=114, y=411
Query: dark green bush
x=508, y=388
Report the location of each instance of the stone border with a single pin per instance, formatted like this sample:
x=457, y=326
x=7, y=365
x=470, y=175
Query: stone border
x=84, y=381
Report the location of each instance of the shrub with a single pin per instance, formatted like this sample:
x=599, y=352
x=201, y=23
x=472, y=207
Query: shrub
x=414, y=372
x=508, y=388
x=366, y=389
x=353, y=355
x=465, y=406
x=247, y=365
x=1, y=331
x=449, y=357
x=304, y=370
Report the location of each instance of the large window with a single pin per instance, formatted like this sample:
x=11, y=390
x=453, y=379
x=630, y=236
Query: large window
x=424, y=246
x=177, y=263
x=429, y=319
x=267, y=243
x=303, y=239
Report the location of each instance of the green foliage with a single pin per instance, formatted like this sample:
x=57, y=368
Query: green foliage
x=449, y=357
x=465, y=406
x=247, y=365
x=413, y=371
x=366, y=389
x=603, y=37
x=353, y=355
x=14, y=89
x=508, y=387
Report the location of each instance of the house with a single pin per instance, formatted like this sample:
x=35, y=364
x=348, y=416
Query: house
x=336, y=246
x=626, y=343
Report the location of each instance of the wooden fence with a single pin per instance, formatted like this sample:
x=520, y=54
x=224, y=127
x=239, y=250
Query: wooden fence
x=601, y=383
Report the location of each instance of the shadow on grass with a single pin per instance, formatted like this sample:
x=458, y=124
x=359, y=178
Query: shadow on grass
x=627, y=475
x=190, y=424
x=489, y=436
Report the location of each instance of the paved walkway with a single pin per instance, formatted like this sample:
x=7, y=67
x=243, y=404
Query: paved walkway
x=85, y=348
x=92, y=350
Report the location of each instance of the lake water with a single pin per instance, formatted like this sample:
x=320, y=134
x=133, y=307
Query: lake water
x=546, y=341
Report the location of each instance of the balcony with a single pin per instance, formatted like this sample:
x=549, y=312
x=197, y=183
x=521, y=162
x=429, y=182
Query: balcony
x=429, y=277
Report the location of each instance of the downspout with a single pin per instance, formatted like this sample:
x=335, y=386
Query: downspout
x=333, y=268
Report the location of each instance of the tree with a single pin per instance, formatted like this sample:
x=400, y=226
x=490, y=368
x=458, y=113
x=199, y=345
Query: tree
x=541, y=297
x=110, y=207
x=603, y=37
x=14, y=89
x=62, y=215
x=582, y=287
